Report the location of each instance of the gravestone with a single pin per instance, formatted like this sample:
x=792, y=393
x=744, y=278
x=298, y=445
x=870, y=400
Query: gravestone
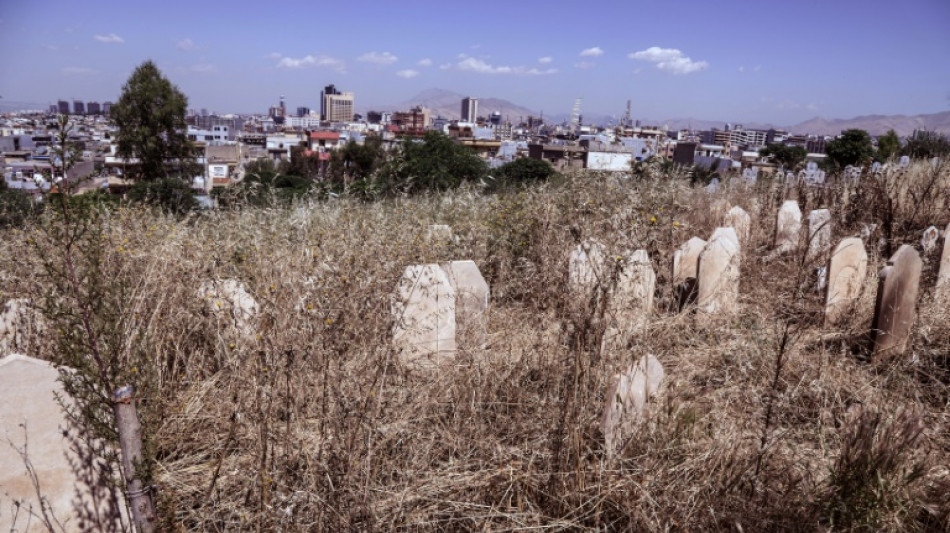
x=876, y=167
x=471, y=298
x=21, y=326
x=631, y=300
x=626, y=399
x=811, y=166
x=587, y=266
x=686, y=271
x=791, y=179
x=750, y=175
x=852, y=174
x=847, y=271
x=439, y=233
x=719, y=273
x=928, y=241
x=788, y=226
x=819, y=234
x=423, y=311
x=904, y=161
x=34, y=428
x=896, y=307
x=943, y=274
x=713, y=185
x=229, y=300
x=935, y=162
x=738, y=219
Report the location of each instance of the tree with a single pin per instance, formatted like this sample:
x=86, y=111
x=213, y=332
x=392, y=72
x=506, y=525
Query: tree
x=925, y=144
x=888, y=145
x=790, y=157
x=853, y=147
x=435, y=162
x=523, y=172
x=150, y=115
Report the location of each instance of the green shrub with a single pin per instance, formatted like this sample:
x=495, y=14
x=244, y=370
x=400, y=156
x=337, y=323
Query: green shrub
x=171, y=194
x=523, y=172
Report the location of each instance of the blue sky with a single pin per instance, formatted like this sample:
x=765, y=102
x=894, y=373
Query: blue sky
x=743, y=61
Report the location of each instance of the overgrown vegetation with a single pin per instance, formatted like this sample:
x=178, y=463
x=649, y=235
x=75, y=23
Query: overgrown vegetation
x=307, y=422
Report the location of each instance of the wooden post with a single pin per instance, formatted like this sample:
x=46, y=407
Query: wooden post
x=130, y=440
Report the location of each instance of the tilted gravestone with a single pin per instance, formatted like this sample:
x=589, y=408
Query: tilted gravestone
x=738, y=219
x=819, y=234
x=34, y=431
x=847, y=271
x=471, y=299
x=423, y=311
x=587, y=266
x=626, y=399
x=686, y=271
x=896, y=307
x=719, y=273
x=928, y=241
x=631, y=300
x=788, y=226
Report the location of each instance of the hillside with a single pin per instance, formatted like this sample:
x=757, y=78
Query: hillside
x=876, y=124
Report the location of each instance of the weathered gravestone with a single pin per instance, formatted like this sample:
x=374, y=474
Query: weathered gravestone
x=423, y=311
x=719, y=273
x=788, y=226
x=819, y=234
x=229, y=300
x=847, y=271
x=587, y=267
x=738, y=219
x=627, y=396
x=928, y=241
x=713, y=185
x=21, y=326
x=686, y=271
x=34, y=431
x=896, y=307
x=471, y=298
x=750, y=175
x=904, y=161
x=631, y=300
x=439, y=233
x=943, y=274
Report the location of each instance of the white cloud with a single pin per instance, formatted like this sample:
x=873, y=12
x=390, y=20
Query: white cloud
x=669, y=60
x=545, y=60
x=584, y=65
x=204, y=68
x=79, y=70
x=379, y=59
x=472, y=64
x=185, y=44
x=445, y=66
x=425, y=62
x=408, y=73
x=592, y=52
x=111, y=38
x=312, y=61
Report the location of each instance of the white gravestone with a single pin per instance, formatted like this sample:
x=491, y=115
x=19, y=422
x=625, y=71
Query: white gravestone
x=686, y=271
x=230, y=300
x=627, y=396
x=713, y=185
x=896, y=307
x=631, y=300
x=738, y=219
x=788, y=226
x=928, y=241
x=819, y=233
x=587, y=266
x=719, y=265
x=943, y=273
x=471, y=297
x=904, y=161
x=847, y=272
x=424, y=315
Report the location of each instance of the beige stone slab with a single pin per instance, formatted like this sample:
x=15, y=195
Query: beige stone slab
x=631, y=300
x=847, y=271
x=928, y=241
x=686, y=271
x=424, y=315
x=587, y=266
x=943, y=274
x=719, y=273
x=738, y=219
x=788, y=226
x=626, y=399
x=819, y=234
x=896, y=305
x=471, y=298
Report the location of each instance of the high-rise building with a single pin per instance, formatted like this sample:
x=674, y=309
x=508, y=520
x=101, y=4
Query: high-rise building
x=79, y=108
x=63, y=107
x=336, y=106
x=52, y=109
x=469, y=109
x=93, y=108
x=303, y=111
x=106, y=108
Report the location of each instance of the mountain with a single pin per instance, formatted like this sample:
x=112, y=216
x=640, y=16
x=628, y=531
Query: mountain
x=876, y=124
x=449, y=104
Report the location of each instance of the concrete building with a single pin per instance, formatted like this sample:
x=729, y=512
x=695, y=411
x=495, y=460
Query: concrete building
x=106, y=108
x=63, y=107
x=336, y=106
x=303, y=111
x=469, y=109
x=93, y=108
x=414, y=122
x=79, y=108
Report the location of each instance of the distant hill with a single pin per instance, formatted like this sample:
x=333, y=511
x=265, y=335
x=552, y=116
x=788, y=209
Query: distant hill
x=876, y=124
x=449, y=105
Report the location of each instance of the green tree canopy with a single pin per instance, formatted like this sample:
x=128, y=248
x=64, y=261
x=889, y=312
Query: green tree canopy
x=789, y=157
x=150, y=115
x=523, y=172
x=435, y=162
x=853, y=147
x=925, y=144
x=888, y=145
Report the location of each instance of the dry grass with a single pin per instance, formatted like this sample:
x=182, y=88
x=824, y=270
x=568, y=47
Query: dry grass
x=308, y=423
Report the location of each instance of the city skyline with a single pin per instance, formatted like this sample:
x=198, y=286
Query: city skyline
x=743, y=61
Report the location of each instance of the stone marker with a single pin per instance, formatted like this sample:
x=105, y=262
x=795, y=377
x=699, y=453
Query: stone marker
x=31, y=416
x=928, y=242
x=441, y=233
x=631, y=300
x=471, y=297
x=750, y=175
x=627, y=395
x=719, y=273
x=896, y=308
x=788, y=226
x=713, y=185
x=819, y=233
x=847, y=271
x=875, y=167
x=587, y=266
x=686, y=271
x=904, y=161
x=424, y=313
x=21, y=326
x=738, y=219
x=228, y=298
x=943, y=274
